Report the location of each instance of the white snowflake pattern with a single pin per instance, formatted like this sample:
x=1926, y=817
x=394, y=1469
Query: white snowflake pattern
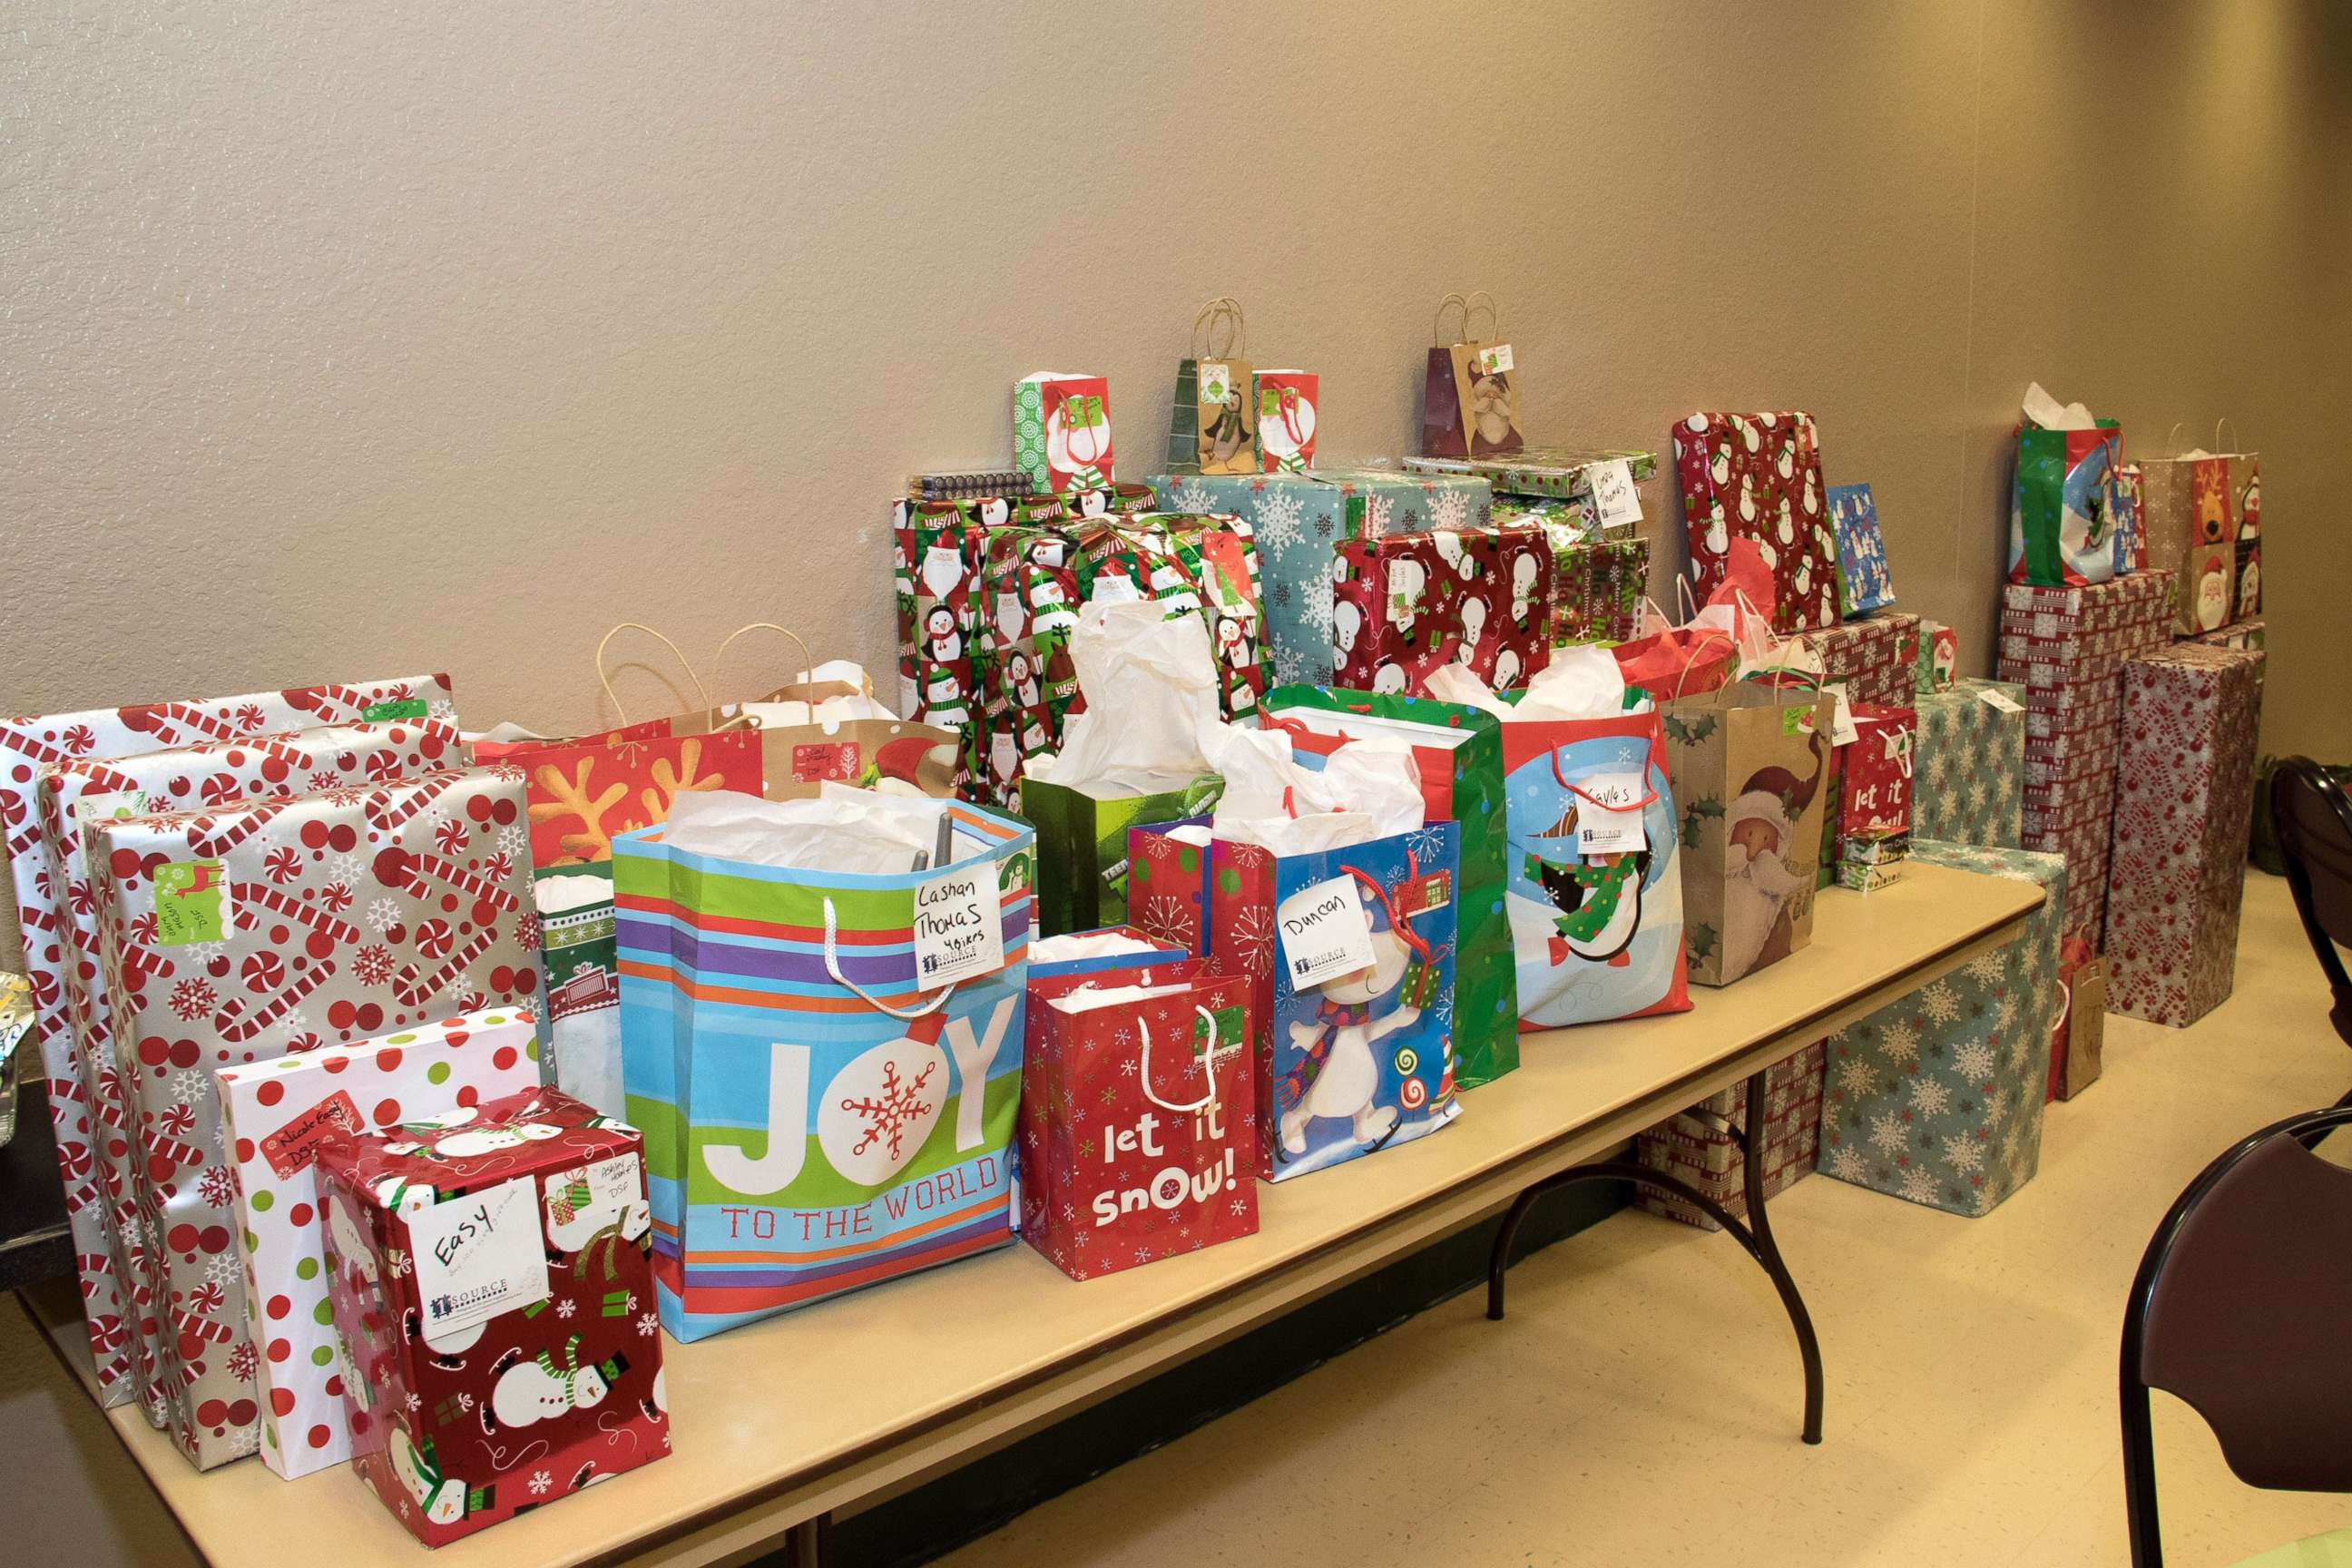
x=1930, y=1097
x=1241, y=1205
x=1166, y=915
x=294, y=1023
x=188, y=1086
x=2004, y=1012
x=1315, y=601
x=1919, y=1184
x=1986, y=967
x=539, y=1481
x=1191, y=496
x=1964, y=1154
x=566, y=1308
x=1887, y=1134
x=345, y=868
x=1377, y=511
x=1857, y=1076
x=1939, y=1003
x=1974, y=1061
x=244, y=1440
x=648, y=1325
x=221, y=1270
x=1279, y=515
x=1449, y=510
x=511, y=841
x=1848, y=1165
x=443, y=708
x=1252, y=934
x=382, y=914
x=415, y=1401
x=1901, y=1043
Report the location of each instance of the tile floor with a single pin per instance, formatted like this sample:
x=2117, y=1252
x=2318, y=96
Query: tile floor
x=1640, y=1406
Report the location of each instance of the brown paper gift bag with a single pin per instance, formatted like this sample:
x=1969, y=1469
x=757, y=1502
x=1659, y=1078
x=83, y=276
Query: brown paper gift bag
x=1470, y=401
x=1213, y=426
x=1749, y=761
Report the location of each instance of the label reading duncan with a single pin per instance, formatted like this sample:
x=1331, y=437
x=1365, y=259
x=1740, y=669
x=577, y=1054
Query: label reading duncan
x=403, y=707
x=294, y=1146
x=1325, y=932
x=479, y=1255
x=191, y=902
x=959, y=927
x=1608, y=815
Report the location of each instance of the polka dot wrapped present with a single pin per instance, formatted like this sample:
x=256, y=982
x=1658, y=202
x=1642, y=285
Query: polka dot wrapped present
x=279, y=1114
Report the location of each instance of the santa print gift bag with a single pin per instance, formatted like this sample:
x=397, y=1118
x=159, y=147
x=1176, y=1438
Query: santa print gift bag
x=2061, y=506
x=1061, y=431
x=1595, y=892
x=1139, y=1117
x=1286, y=415
x=1757, y=476
x=1470, y=398
x=490, y=1287
x=28, y=743
x=1365, y=1059
x=817, y=1117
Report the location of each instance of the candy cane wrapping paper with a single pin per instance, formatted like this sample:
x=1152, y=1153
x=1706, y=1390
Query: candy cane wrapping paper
x=277, y=1114
x=283, y=926
x=26, y=745
x=263, y=768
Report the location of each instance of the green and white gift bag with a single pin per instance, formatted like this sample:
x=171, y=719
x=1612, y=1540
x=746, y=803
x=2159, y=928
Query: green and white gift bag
x=1082, y=863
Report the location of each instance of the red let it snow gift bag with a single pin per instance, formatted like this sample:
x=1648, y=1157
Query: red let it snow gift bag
x=1139, y=1117
x=493, y=1290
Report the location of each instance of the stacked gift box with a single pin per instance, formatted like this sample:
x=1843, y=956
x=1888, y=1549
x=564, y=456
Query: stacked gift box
x=2184, y=810
x=1968, y=770
x=1697, y=1148
x=2067, y=647
x=1876, y=660
x=1408, y=605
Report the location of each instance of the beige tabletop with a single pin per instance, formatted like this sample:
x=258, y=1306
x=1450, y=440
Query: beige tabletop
x=866, y=1394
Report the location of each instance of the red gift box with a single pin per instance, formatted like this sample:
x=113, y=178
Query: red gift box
x=1759, y=476
x=1138, y=1118
x=1687, y=1146
x=1868, y=658
x=493, y=1287
x=1407, y=605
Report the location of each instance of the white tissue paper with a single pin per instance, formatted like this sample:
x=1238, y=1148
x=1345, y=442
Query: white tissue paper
x=2043, y=410
x=843, y=830
x=1078, y=944
x=827, y=711
x=1367, y=789
x=1151, y=690
x=1581, y=681
x=1086, y=998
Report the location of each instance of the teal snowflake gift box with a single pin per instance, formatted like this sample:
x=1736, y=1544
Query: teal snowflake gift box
x=1968, y=773
x=1938, y=1098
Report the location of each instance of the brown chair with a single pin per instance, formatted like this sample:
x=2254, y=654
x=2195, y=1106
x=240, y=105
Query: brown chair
x=2242, y=1309
x=2313, y=817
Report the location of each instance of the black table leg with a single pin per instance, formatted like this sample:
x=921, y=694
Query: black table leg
x=1758, y=1241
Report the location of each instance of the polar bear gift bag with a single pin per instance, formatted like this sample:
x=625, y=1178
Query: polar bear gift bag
x=818, y=1115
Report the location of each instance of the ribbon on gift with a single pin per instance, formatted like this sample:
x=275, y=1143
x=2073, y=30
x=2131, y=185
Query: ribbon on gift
x=605, y=1244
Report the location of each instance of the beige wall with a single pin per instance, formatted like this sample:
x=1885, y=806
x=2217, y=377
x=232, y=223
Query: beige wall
x=359, y=340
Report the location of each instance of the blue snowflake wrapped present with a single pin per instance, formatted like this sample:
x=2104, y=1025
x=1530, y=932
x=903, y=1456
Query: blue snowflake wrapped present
x=1938, y=1098
x=1863, y=584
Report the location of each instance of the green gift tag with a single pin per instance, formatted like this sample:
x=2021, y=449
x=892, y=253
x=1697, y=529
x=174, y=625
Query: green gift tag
x=189, y=903
x=1229, y=1031
x=405, y=708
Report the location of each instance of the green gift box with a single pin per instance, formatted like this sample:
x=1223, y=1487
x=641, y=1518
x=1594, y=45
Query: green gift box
x=1082, y=846
x=1463, y=784
x=1564, y=473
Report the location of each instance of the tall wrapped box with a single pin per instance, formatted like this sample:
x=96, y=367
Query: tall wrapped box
x=1938, y=1098
x=1967, y=780
x=243, y=933
x=1759, y=476
x=1409, y=604
x=1688, y=1144
x=26, y=745
x=2184, y=811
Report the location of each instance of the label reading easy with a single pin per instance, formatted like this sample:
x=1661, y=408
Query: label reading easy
x=479, y=1255
x=1841, y=730
x=959, y=927
x=1614, y=497
x=402, y=708
x=2000, y=701
x=1325, y=932
x=1609, y=814
x=295, y=1146
x=190, y=903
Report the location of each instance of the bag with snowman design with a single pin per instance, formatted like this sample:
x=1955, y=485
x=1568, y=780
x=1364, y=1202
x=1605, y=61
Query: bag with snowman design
x=1286, y=415
x=493, y=1297
x=1407, y=605
x=826, y=1061
x=1759, y=476
x=1061, y=431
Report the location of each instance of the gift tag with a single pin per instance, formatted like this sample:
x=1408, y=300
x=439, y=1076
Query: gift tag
x=2000, y=701
x=295, y=1146
x=1325, y=932
x=959, y=927
x=192, y=903
x=479, y=1255
x=1608, y=815
x=1216, y=380
x=1841, y=730
x=119, y=807
x=1494, y=359
x=1614, y=499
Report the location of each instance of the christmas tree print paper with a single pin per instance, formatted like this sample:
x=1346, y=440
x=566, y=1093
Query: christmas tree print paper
x=26, y=745
x=279, y=1113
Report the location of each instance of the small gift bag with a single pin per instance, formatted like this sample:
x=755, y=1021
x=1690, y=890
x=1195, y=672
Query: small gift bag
x=1470, y=400
x=1864, y=583
x=1212, y=426
x=2061, y=505
x=1139, y=1117
x=1875, y=803
x=1286, y=401
x=1061, y=430
x=1168, y=882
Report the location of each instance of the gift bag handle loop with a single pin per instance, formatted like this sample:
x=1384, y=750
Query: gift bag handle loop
x=1470, y=310
x=2172, y=438
x=2217, y=445
x=1712, y=634
x=807, y=669
x=1437, y=328
x=1223, y=310
x=1208, y=1066
x=833, y=967
x=605, y=678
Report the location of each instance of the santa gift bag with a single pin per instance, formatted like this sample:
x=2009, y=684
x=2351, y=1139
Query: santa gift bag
x=1061, y=431
x=1286, y=416
x=1864, y=583
x=1470, y=398
x=1139, y=1117
x=1212, y=429
x=822, y=1046
x=2246, y=496
x=1758, y=478
x=1748, y=761
x=2061, y=506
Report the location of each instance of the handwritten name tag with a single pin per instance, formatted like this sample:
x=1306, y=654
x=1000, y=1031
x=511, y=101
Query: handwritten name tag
x=959, y=927
x=1325, y=932
x=479, y=1255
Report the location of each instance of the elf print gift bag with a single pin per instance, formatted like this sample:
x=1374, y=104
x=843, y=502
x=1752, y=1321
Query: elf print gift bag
x=826, y=1062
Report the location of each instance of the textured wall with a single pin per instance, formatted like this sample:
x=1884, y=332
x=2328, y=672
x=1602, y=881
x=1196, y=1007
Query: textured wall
x=350, y=340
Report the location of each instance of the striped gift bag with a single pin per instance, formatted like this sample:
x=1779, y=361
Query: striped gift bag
x=815, y=1119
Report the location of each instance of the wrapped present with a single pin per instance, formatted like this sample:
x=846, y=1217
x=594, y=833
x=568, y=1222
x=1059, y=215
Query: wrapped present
x=1561, y=473
x=1296, y=522
x=259, y=928
x=2080, y=1042
x=1168, y=884
x=1286, y=404
x=26, y=745
x=2237, y=635
x=72, y=795
x=1689, y=1146
x=1061, y=431
x=1084, y=870
x=1875, y=802
x=1409, y=604
x=1139, y=1117
x=2184, y=812
x=1967, y=771
x=492, y=1293
x=1861, y=874
x=942, y=545
x=1759, y=476
x=1364, y=1060
x=1866, y=657
x=1938, y=1098
x=2188, y=513
x=967, y=484
x=1599, y=577
x=1864, y=585
x=279, y=1115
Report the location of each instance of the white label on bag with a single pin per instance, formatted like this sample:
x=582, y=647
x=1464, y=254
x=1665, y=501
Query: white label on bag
x=1216, y=380
x=959, y=927
x=1494, y=359
x=1841, y=730
x=479, y=1255
x=1614, y=500
x=1608, y=815
x=1325, y=932
x=2000, y=701
x=1115, y=588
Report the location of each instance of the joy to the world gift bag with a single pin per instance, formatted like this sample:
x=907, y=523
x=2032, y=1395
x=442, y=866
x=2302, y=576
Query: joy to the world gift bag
x=1595, y=890
x=1139, y=1117
x=1759, y=476
x=1470, y=397
x=2061, y=506
x=819, y=1116
x=1349, y=1065
x=1061, y=431
x=28, y=743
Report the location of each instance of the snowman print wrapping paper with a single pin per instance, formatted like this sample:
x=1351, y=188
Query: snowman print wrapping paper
x=1759, y=476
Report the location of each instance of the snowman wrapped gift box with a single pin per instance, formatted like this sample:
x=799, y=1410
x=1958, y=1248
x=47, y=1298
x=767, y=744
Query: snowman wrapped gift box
x=1409, y=604
x=493, y=1291
x=1759, y=476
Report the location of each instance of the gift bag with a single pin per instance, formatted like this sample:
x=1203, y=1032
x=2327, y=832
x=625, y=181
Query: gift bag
x=825, y=1063
x=1470, y=400
x=2061, y=506
x=1168, y=882
x=1286, y=400
x=1459, y=751
x=1083, y=867
x=1355, y=1062
x=1748, y=761
x=1758, y=478
x=1100, y=952
x=1408, y=605
x=2126, y=507
x=1061, y=431
x=2188, y=513
x=1875, y=795
x=1139, y=1117
x=2246, y=494
x=1863, y=584
x=1213, y=427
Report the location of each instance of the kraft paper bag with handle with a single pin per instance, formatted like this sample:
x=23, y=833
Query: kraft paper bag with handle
x=1470, y=400
x=1212, y=426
